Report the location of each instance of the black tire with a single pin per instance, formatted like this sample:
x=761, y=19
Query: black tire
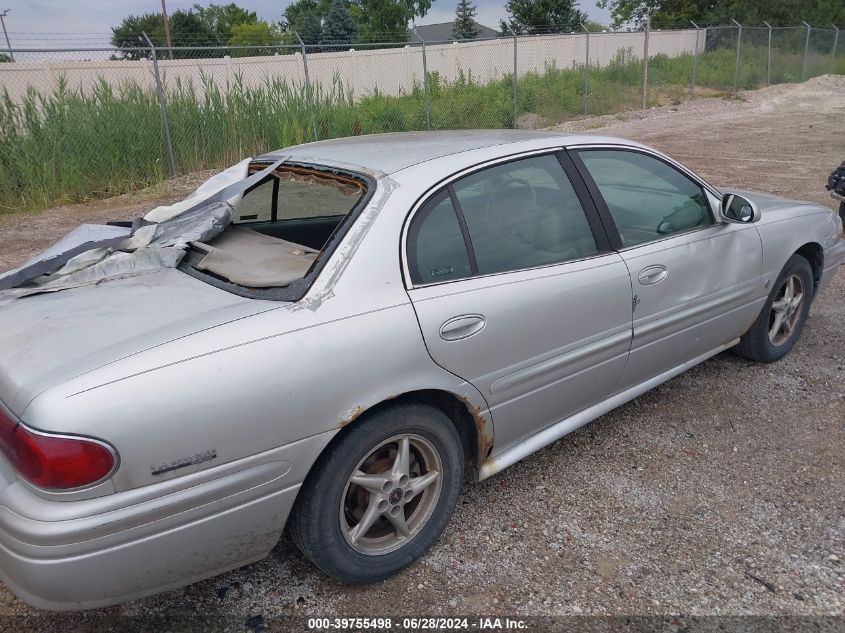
x=755, y=344
x=315, y=523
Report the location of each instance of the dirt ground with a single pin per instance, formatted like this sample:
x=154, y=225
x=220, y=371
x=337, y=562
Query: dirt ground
x=719, y=493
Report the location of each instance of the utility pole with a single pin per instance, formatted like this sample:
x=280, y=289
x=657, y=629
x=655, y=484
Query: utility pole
x=8, y=44
x=166, y=28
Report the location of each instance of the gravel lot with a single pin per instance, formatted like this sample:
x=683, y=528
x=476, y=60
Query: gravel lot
x=720, y=493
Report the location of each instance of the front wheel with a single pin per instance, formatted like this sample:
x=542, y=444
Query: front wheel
x=782, y=318
x=381, y=495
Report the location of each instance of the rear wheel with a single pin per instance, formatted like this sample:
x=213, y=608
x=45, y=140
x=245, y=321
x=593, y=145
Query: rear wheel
x=782, y=318
x=381, y=495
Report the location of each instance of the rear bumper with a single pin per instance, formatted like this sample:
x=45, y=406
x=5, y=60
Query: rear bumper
x=66, y=555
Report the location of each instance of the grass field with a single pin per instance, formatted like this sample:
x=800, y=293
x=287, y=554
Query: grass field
x=69, y=146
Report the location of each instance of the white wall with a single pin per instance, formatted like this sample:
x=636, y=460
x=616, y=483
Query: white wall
x=388, y=70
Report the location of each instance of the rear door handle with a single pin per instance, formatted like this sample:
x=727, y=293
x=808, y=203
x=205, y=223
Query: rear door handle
x=461, y=327
x=653, y=275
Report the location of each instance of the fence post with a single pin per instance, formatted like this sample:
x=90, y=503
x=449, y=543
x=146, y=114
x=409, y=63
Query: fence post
x=833, y=50
x=645, y=59
x=6, y=34
x=586, y=68
x=769, y=56
x=694, y=60
x=806, y=50
x=425, y=83
x=165, y=123
x=515, y=88
x=738, y=45
x=308, y=96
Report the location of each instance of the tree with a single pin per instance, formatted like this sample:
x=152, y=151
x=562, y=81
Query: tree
x=222, y=18
x=386, y=20
x=305, y=17
x=4, y=58
x=680, y=12
x=186, y=29
x=466, y=28
x=129, y=34
x=295, y=12
x=339, y=27
x=258, y=33
x=529, y=17
x=310, y=29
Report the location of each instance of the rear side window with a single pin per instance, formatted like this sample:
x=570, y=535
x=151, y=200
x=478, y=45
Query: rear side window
x=436, y=247
x=514, y=216
x=523, y=214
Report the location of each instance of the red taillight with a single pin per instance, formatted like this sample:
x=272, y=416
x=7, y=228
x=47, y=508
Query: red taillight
x=57, y=462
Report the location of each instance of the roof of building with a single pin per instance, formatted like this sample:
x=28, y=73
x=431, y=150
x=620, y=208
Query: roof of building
x=442, y=32
x=389, y=153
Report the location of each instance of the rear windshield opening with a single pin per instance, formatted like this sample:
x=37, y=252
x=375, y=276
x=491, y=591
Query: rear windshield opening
x=280, y=227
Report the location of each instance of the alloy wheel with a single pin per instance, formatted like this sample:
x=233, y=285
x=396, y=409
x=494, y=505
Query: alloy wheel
x=391, y=494
x=786, y=310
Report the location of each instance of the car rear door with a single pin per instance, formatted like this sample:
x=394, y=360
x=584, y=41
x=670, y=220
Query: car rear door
x=517, y=291
x=697, y=282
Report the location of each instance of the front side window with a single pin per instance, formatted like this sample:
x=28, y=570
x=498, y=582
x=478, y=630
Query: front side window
x=647, y=198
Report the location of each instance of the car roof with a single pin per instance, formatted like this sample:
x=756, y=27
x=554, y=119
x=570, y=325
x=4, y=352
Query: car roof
x=381, y=154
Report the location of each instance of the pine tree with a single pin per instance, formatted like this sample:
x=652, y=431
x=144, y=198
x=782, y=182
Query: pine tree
x=339, y=26
x=310, y=28
x=465, y=27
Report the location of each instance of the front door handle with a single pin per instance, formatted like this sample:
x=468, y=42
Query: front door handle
x=653, y=275
x=461, y=327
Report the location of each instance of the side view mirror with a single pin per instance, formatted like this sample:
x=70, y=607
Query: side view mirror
x=735, y=208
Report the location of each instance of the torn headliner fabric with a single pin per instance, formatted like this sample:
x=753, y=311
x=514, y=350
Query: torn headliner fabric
x=92, y=253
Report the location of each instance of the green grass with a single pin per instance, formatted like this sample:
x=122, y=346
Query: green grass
x=70, y=146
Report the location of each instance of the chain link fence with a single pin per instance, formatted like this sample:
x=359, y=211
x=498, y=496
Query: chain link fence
x=93, y=122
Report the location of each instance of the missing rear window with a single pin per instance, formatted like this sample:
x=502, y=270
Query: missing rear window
x=282, y=229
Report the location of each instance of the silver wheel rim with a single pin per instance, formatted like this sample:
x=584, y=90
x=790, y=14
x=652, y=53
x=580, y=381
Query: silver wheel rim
x=786, y=310
x=391, y=494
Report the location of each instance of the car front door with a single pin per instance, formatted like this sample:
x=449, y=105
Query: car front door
x=697, y=282
x=517, y=291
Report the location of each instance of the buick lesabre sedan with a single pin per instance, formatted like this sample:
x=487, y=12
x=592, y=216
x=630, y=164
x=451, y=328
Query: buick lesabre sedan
x=371, y=320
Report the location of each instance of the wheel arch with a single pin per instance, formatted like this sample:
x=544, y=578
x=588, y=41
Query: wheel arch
x=814, y=254
x=471, y=423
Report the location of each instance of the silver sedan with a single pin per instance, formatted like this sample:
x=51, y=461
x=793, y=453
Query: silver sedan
x=372, y=319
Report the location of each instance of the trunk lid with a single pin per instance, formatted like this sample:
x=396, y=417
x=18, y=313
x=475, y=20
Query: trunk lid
x=49, y=338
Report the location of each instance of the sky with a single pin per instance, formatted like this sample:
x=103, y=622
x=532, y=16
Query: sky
x=47, y=23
